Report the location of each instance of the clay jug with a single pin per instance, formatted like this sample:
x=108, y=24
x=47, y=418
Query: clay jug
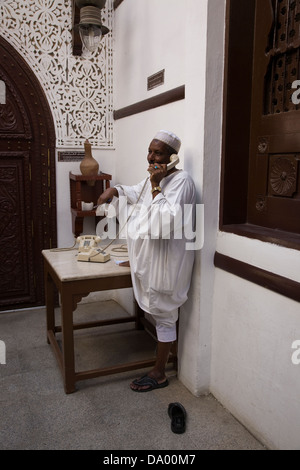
x=89, y=166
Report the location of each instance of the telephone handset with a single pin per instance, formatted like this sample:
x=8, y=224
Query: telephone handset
x=87, y=250
x=174, y=160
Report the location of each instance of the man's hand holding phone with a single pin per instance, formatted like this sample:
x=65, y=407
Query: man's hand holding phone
x=157, y=172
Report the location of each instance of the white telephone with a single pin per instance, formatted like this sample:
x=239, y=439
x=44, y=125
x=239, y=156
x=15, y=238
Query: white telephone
x=87, y=250
x=174, y=160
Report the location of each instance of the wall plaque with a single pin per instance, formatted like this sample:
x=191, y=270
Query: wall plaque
x=156, y=80
x=72, y=156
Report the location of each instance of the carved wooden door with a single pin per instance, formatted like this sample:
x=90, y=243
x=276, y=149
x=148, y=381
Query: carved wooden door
x=27, y=182
x=274, y=182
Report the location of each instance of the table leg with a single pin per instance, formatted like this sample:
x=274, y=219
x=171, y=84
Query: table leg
x=68, y=341
x=49, y=294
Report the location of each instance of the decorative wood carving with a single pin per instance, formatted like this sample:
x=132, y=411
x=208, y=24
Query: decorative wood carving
x=283, y=176
x=27, y=183
x=14, y=121
x=16, y=254
x=261, y=203
x=283, y=54
x=8, y=121
x=260, y=193
x=274, y=178
x=263, y=145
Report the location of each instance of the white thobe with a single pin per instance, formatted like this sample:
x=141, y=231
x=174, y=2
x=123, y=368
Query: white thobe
x=161, y=265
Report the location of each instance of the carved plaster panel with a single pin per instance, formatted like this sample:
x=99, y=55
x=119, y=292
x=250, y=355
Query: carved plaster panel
x=79, y=89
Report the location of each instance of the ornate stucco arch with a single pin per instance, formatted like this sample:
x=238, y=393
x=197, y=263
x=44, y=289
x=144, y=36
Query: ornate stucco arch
x=78, y=89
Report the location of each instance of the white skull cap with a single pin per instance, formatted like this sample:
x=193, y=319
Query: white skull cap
x=169, y=138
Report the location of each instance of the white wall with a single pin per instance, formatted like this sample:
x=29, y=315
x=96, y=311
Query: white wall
x=149, y=37
x=253, y=331
x=252, y=370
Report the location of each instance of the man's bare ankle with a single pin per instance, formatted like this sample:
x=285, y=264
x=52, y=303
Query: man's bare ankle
x=157, y=375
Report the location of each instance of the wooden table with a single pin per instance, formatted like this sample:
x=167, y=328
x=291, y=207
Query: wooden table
x=74, y=280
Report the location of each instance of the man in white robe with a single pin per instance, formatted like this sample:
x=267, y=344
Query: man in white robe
x=161, y=265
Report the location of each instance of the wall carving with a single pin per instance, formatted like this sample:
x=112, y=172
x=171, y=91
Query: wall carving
x=79, y=89
x=283, y=176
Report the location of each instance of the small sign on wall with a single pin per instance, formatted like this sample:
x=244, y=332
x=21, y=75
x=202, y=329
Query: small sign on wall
x=70, y=156
x=2, y=92
x=156, y=80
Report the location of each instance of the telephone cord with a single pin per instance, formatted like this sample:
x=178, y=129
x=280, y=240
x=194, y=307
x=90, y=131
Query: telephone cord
x=119, y=249
x=65, y=249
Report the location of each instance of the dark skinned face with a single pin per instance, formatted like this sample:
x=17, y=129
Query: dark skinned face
x=158, y=152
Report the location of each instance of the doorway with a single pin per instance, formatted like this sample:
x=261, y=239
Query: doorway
x=27, y=182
